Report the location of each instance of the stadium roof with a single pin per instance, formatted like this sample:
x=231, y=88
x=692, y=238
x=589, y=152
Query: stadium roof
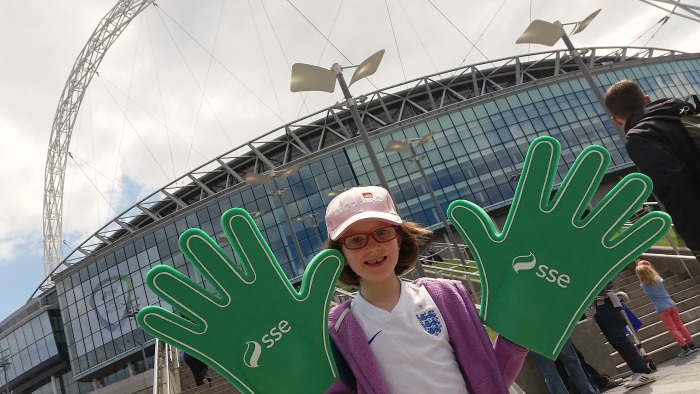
x=329, y=128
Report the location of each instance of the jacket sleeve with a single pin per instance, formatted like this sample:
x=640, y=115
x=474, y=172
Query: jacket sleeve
x=656, y=160
x=347, y=379
x=675, y=185
x=510, y=358
x=338, y=387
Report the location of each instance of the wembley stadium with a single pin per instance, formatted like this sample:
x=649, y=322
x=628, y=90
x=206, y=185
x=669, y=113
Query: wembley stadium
x=77, y=333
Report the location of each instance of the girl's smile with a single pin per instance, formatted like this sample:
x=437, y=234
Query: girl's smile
x=375, y=261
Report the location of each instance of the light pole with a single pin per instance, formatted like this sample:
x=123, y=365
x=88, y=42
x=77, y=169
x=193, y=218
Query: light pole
x=307, y=77
x=132, y=315
x=312, y=218
x=4, y=364
x=253, y=178
x=407, y=146
x=546, y=33
x=143, y=355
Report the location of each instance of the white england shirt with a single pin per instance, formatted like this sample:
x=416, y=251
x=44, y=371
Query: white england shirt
x=410, y=343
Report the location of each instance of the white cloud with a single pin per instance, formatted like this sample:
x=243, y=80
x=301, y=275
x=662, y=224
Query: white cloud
x=41, y=40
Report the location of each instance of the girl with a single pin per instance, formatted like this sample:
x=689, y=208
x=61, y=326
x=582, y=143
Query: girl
x=653, y=286
x=400, y=337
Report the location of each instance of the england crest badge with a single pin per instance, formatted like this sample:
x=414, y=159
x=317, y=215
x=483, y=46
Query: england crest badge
x=430, y=322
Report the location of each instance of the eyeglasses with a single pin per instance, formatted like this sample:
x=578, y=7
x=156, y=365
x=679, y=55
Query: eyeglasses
x=359, y=240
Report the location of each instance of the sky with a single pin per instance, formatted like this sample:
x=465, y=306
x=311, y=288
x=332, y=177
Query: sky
x=188, y=81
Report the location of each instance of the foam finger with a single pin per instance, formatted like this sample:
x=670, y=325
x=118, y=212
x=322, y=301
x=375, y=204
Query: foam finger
x=180, y=291
x=619, y=204
x=581, y=181
x=250, y=246
x=473, y=224
x=642, y=235
x=538, y=173
x=171, y=328
x=320, y=276
x=211, y=261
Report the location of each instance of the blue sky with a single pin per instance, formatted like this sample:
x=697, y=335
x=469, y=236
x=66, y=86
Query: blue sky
x=171, y=126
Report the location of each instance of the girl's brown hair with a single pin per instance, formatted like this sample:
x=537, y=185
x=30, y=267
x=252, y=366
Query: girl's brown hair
x=646, y=273
x=411, y=236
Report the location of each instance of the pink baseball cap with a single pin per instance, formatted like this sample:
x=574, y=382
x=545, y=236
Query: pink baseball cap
x=359, y=203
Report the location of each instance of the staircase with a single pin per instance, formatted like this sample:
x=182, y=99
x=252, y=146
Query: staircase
x=656, y=340
x=218, y=385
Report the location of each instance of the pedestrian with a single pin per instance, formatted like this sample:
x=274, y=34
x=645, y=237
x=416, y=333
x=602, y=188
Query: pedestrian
x=400, y=337
x=660, y=146
x=553, y=380
x=200, y=370
x=608, y=316
x=602, y=382
x=653, y=286
x=433, y=256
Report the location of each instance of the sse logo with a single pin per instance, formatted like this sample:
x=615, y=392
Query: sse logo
x=254, y=350
x=528, y=262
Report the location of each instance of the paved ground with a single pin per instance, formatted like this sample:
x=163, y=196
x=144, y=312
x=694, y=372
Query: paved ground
x=680, y=375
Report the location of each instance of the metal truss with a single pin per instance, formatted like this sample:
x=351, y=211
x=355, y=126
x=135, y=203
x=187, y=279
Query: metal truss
x=332, y=128
x=691, y=12
x=85, y=67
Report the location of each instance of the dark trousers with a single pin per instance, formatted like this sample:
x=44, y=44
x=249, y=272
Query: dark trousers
x=198, y=368
x=612, y=324
x=593, y=375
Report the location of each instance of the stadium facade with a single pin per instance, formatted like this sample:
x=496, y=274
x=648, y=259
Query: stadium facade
x=77, y=333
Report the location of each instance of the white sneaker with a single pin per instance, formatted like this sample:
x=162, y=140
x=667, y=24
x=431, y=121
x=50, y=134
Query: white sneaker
x=640, y=379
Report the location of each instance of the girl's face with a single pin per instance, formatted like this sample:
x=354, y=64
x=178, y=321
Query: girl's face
x=375, y=262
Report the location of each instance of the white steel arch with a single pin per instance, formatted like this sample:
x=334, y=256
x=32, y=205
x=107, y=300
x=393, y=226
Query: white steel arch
x=84, y=68
x=691, y=12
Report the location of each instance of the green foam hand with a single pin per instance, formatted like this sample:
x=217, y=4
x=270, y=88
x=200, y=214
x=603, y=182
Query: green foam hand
x=540, y=273
x=256, y=330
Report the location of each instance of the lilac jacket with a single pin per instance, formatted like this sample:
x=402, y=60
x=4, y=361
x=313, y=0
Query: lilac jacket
x=487, y=368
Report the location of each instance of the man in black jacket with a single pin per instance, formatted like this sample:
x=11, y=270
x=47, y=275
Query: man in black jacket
x=661, y=148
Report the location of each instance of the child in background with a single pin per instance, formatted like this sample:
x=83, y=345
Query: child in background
x=653, y=286
x=400, y=337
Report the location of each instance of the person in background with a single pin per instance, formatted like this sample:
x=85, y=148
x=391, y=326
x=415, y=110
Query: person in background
x=600, y=381
x=200, y=370
x=608, y=316
x=433, y=256
x=653, y=286
x=553, y=380
x=660, y=146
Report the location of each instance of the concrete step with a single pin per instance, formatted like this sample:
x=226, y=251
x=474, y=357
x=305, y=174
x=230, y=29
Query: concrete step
x=625, y=278
x=661, y=347
x=634, y=292
x=217, y=385
x=655, y=338
x=677, y=289
x=686, y=308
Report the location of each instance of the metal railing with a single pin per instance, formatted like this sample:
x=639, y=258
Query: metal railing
x=166, y=378
x=676, y=248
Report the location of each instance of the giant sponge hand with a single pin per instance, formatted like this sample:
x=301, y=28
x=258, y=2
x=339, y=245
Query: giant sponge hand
x=553, y=256
x=256, y=330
